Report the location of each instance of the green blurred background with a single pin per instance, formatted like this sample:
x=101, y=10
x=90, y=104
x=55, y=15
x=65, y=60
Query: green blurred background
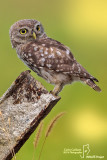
x=81, y=25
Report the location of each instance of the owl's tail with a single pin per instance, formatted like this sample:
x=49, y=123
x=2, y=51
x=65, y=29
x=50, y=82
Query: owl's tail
x=91, y=83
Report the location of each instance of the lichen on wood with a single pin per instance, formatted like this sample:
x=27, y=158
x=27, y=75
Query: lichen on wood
x=22, y=107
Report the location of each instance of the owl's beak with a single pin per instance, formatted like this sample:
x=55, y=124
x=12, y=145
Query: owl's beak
x=34, y=35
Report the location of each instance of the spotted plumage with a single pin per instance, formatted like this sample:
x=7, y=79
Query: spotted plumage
x=49, y=58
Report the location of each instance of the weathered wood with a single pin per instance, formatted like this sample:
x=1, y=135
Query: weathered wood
x=22, y=108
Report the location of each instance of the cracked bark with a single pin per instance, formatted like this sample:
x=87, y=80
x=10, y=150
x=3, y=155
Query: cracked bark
x=22, y=108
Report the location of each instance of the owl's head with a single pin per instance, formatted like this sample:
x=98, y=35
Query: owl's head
x=25, y=31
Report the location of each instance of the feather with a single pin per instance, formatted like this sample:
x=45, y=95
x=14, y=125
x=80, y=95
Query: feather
x=91, y=83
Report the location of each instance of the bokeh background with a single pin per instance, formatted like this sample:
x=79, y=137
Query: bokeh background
x=81, y=25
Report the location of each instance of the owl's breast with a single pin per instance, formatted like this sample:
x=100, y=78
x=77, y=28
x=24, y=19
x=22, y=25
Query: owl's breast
x=53, y=77
x=28, y=61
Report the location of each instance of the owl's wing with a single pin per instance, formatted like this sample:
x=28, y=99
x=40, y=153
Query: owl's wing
x=53, y=55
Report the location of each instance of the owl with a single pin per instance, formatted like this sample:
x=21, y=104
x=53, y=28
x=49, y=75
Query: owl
x=49, y=58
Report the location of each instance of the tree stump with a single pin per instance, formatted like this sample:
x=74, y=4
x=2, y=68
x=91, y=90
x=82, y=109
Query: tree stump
x=22, y=108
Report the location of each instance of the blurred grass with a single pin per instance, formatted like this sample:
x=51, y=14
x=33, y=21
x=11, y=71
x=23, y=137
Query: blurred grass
x=81, y=25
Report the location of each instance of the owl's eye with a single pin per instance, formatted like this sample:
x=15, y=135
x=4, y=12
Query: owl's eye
x=38, y=27
x=23, y=31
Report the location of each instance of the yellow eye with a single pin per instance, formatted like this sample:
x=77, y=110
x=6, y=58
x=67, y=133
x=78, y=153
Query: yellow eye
x=38, y=28
x=23, y=31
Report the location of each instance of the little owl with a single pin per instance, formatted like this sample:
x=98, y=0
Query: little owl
x=49, y=58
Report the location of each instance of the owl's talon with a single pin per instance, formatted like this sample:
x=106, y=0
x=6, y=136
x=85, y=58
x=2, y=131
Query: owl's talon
x=51, y=92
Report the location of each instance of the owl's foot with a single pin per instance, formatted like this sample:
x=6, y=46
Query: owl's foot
x=57, y=89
